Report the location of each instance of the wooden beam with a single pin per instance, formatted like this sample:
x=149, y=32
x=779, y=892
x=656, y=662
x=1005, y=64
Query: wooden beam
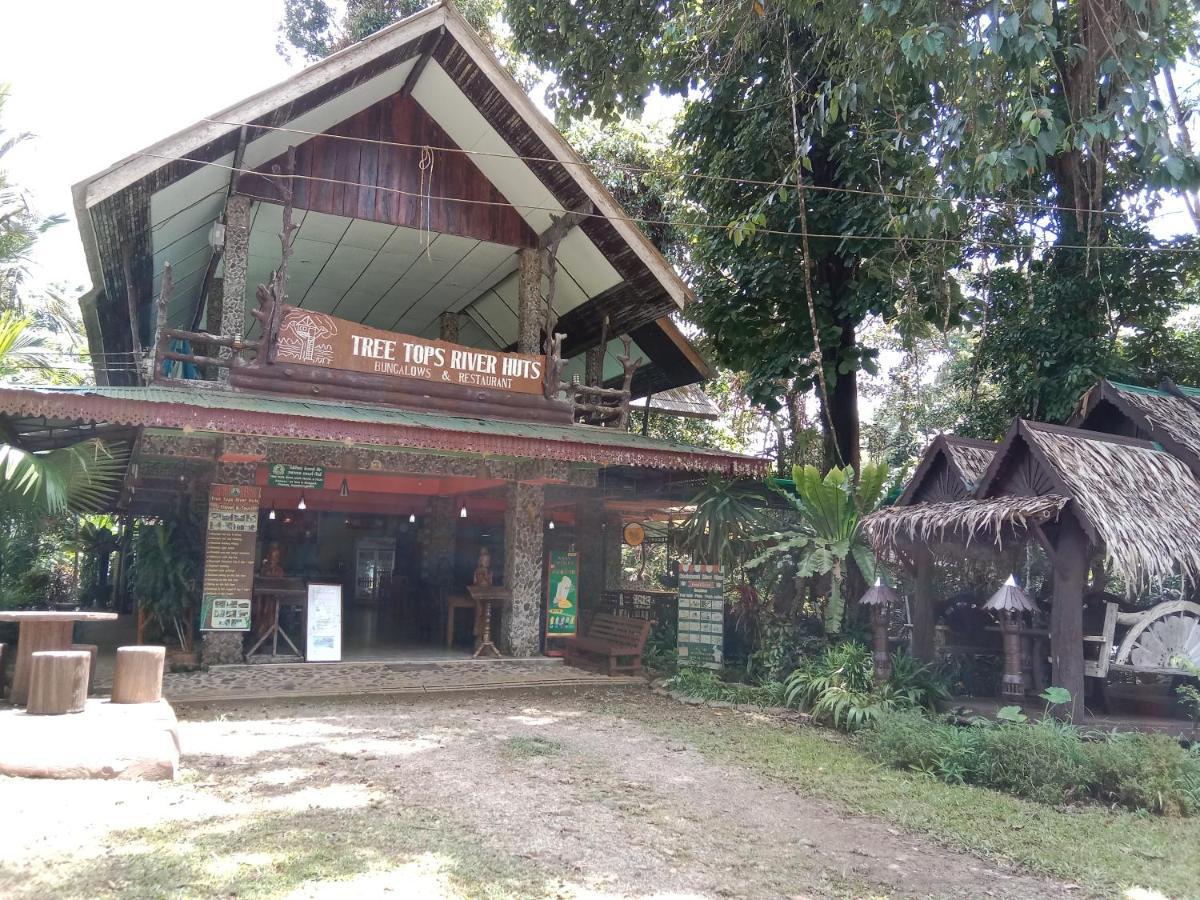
x=561, y=225
x=429, y=45
x=1066, y=611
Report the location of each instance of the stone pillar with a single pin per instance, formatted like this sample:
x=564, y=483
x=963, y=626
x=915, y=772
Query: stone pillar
x=589, y=544
x=593, y=366
x=448, y=327
x=521, y=628
x=213, y=307
x=237, y=251
x=439, y=530
x=613, y=542
x=218, y=648
x=530, y=309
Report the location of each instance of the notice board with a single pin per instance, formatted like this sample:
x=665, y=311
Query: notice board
x=323, y=623
x=562, y=594
x=701, y=615
x=229, y=551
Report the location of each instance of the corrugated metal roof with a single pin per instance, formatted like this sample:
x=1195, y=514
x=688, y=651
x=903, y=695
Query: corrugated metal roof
x=189, y=407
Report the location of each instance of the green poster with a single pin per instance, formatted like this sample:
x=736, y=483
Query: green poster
x=701, y=615
x=289, y=476
x=561, y=594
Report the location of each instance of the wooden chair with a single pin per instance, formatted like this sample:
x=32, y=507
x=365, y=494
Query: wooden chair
x=615, y=638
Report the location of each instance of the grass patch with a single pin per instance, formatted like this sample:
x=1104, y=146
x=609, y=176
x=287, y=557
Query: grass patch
x=1103, y=851
x=522, y=746
x=272, y=855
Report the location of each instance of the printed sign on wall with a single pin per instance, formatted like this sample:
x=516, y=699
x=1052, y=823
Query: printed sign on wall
x=316, y=339
x=562, y=601
x=323, y=639
x=289, y=476
x=701, y=615
x=229, y=550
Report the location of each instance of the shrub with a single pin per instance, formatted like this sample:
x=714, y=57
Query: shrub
x=905, y=739
x=1146, y=771
x=705, y=684
x=1044, y=761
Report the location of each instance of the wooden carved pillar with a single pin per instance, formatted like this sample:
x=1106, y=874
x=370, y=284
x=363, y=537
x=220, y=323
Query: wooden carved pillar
x=1014, y=683
x=1066, y=611
x=529, y=301
x=922, y=607
x=236, y=255
x=521, y=628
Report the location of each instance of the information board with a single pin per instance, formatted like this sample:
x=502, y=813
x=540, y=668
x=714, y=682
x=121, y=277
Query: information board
x=323, y=618
x=701, y=615
x=289, y=476
x=562, y=599
x=229, y=552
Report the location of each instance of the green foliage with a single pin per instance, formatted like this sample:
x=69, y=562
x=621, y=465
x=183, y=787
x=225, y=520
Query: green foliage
x=721, y=529
x=828, y=539
x=838, y=687
x=166, y=573
x=1189, y=692
x=1047, y=761
x=971, y=675
x=81, y=478
x=705, y=684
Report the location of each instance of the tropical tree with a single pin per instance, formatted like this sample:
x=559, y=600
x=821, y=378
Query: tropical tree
x=827, y=539
x=166, y=572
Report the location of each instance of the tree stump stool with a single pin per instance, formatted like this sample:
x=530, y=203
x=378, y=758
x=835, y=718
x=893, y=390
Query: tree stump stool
x=58, y=682
x=138, y=675
x=92, y=650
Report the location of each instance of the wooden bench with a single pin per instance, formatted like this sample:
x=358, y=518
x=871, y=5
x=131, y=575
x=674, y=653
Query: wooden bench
x=615, y=638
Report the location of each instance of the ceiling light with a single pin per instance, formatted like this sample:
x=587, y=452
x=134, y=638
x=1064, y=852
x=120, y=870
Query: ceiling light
x=462, y=513
x=302, y=504
x=345, y=489
x=271, y=514
x=551, y=525
x=412, y=518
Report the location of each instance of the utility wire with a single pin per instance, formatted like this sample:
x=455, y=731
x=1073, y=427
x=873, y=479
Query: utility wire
x=923, y=239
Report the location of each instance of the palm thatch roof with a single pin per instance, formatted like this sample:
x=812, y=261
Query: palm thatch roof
x=1138, y=501
x=971, y=457
x=949, y=469
x=1010, y=598
x=959, y=521
x=1165, y=415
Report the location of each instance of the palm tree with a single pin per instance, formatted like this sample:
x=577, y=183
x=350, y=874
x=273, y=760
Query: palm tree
x=828, y=540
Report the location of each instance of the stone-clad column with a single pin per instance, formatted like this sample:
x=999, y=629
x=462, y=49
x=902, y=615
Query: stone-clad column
x=448, y=327
x=439, y=531
x=237, y=251
x=613, y=542
x=530, y=309
x=226, y=647
x=521, y=628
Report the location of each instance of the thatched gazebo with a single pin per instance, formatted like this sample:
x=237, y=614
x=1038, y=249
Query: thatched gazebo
x=1078, y=493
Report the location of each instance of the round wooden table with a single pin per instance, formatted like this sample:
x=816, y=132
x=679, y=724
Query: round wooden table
x=43, y=630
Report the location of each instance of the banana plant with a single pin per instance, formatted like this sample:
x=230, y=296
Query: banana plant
x=828, y=538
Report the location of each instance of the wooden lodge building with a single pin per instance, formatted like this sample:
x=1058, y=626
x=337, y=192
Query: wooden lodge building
x=381, y=322
x=1113, y=496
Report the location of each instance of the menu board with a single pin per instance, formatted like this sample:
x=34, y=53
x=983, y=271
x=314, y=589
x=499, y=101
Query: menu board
x=701, y=615
x=562, y=600
x=323, y=618
x=229, y=551
x=289, y=476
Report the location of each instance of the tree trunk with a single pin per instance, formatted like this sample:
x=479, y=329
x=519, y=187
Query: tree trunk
x=839, y=412
x=923, y=620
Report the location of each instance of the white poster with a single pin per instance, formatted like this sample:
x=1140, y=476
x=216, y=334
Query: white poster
x=324, y=623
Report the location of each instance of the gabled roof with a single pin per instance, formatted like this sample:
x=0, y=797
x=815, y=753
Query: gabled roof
x=159, y=204
x=949, y=469
x=1132, y=497
x=1165, y=415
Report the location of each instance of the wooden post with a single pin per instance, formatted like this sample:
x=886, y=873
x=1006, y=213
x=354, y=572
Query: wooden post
x=529, y=301
x=922, y=647
x=881, y=650
x=138, y=675
x=1066, y=612
x=58, y=682
x=236, y=256
x=92, y=651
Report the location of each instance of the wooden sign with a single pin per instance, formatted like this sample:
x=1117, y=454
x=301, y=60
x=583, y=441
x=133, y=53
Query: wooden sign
x=562, y=594
x=316, y=339
x=289, y=476
x=229, y=552
x=701, y=615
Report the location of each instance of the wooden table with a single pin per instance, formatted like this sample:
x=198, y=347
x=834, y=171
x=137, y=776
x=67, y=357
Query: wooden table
x=43, y=630
x=483, y=595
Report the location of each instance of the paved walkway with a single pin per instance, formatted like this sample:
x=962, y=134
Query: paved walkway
x=267, y=681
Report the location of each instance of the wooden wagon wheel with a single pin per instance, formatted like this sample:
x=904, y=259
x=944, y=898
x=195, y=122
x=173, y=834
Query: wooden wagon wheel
x=1165, y=632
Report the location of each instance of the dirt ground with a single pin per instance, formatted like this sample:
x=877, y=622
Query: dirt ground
x=563, y=795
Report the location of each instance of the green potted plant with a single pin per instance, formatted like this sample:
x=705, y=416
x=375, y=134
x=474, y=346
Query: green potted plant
x=166, y=582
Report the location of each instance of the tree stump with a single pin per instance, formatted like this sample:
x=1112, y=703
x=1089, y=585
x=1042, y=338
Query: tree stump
x=92, y=650
x=138, y=675
x=58, y=682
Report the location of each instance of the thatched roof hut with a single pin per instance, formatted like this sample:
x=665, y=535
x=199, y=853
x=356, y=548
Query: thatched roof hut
x=949, y=469
x=1168, y=415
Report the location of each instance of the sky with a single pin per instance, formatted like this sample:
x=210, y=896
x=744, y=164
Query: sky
x=96, y=80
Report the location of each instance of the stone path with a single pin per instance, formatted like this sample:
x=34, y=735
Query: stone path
x=259, y=681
